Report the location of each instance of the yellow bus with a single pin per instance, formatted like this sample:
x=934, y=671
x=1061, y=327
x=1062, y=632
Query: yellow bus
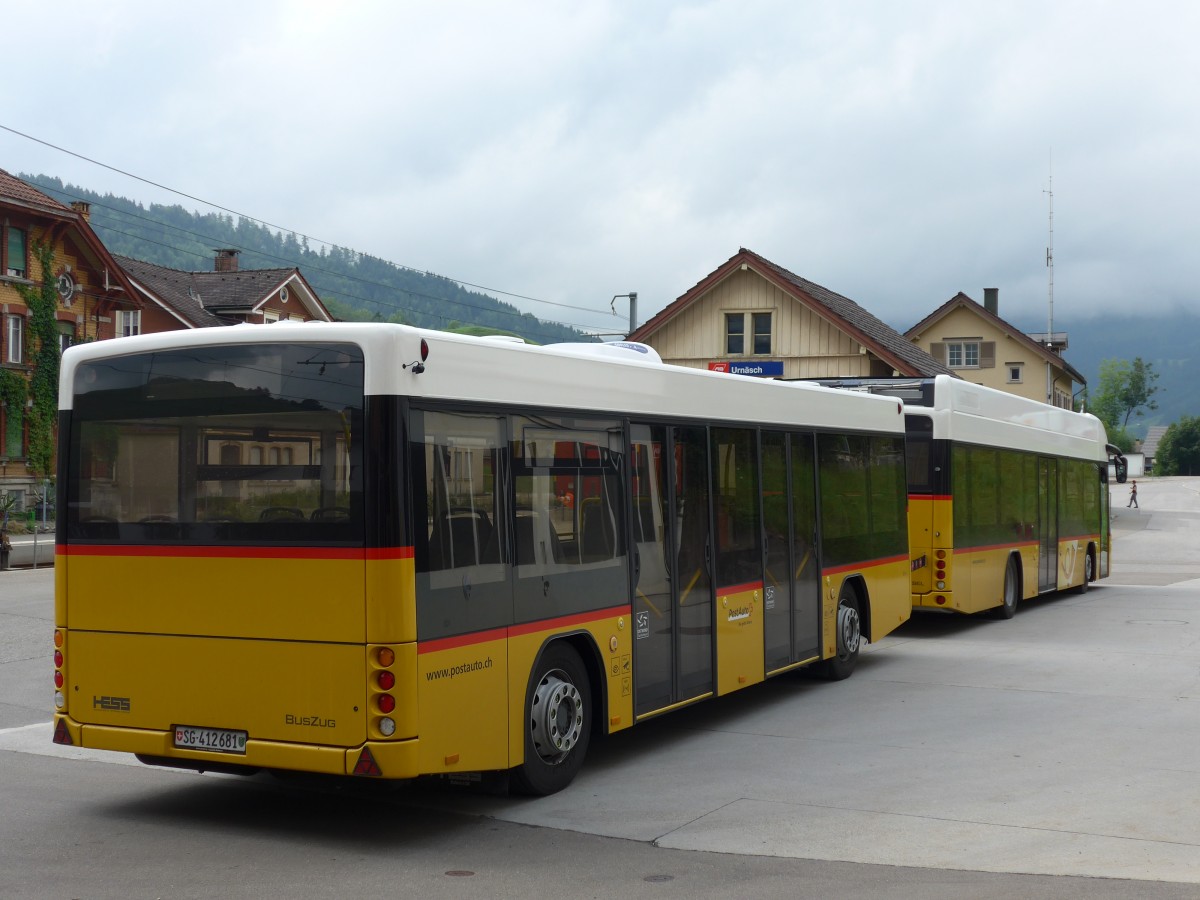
x=372, y=550
x=1008, y=497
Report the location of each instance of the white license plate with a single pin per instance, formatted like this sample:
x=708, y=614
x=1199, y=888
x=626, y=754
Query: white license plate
x=220, y=740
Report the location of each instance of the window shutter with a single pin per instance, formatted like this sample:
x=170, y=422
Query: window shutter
x=938, y=352
x=987, y=355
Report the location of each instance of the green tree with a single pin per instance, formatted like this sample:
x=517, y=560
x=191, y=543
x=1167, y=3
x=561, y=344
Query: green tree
x=1179, y=449
x=1125, y=389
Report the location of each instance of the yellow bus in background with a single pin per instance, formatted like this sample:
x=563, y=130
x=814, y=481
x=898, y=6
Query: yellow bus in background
x=377, y=551
x=1008, y=497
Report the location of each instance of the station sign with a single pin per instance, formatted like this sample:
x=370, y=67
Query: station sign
x=762, y=368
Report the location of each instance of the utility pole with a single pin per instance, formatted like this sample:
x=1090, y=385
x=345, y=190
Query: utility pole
x=632, y=295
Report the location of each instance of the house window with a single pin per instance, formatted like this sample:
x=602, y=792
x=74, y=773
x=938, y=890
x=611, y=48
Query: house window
x=16, y=252
x=270, y=318
x=735, y=334
x=1014, y=373
x=762, y=333
x=15, y=340
x=962, y=355
x=66, y=337
x=129, y=322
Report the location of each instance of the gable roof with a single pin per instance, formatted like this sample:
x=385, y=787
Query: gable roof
x=962, y=301
x=884, y=341
x=15, y=190
x=205, y=299
x=61, y=222
x=1154, y=434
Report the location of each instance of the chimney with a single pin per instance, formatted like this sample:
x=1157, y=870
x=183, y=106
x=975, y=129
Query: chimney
x=227, y=260
x=83, y=208
x=991, y=300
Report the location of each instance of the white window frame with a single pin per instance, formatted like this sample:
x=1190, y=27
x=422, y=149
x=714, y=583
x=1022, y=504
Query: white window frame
x=730, y=319
x=769, y=333
x=270, y=317
x=129, y=322
x=959, y=354
x=14, y=339
x=1016, y=373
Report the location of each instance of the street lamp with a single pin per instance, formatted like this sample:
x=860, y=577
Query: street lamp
x=632, y=295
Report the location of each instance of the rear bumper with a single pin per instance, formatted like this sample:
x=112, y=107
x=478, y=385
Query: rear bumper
x=395, y=759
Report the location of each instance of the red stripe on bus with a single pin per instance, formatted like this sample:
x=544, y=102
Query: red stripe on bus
x=869, y=564
x=497, y=634
x=1011, y=546
x=929, y=497
x=739, y=588
x=389, y=553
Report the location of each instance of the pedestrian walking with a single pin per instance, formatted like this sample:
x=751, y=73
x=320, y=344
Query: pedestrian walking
x=1132, y=495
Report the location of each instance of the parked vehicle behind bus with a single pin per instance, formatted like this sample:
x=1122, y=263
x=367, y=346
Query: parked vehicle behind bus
x=1008, y=497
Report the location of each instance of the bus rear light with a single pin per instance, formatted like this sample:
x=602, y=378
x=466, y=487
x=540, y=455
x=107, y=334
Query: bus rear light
x=387, y=703
x=58, y=659
x=387, y=726
x=58, y=680
x=939, y=600
x=386, y=681
x=941, y=586
x=59, y=700
x=58, y=638
x=940, y=554
x=385, y=657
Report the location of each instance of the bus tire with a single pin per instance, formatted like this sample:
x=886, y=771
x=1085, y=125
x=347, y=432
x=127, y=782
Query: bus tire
x=558, y=723
x=849, y=637
x=1012, y=587
x=1089, y=570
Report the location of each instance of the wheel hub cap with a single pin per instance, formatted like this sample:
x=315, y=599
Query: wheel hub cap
x=557, y=716
x=849, y=633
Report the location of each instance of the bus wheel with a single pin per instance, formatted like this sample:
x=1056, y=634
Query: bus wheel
x=558, y=723
x=1088, y=573
x=1008, y=608
x=849, y=637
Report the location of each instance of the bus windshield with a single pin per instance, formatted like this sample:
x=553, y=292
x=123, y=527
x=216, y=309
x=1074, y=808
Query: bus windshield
x=253, y=443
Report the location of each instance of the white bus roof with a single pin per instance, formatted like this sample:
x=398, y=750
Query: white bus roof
x=585, y=377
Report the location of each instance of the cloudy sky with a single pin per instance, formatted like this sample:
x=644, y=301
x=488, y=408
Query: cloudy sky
x=894, y=152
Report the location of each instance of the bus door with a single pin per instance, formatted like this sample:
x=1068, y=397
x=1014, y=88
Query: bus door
x=672, y=602
x=1047, y=524
x=791, y=589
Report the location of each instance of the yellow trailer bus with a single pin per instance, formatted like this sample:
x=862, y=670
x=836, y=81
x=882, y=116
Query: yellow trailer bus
x=1008, y=497
x=372, y=550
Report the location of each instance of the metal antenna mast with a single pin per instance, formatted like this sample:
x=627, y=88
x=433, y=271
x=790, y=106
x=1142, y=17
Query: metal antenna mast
x=1050, y=309
x=1050, y=261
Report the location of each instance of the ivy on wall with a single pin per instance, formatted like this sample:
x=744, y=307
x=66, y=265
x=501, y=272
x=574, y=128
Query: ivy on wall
x=42, y=300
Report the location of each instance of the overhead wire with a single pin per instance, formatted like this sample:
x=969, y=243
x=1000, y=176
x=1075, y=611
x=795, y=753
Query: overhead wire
x=307, y=237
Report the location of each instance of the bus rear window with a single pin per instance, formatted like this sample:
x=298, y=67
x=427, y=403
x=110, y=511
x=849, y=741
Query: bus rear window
x=245, y=443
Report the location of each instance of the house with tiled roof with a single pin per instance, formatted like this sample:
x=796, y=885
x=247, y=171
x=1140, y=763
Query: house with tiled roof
x=983, y=348
x=226, y=295
x=93, y=298
x=754, y=317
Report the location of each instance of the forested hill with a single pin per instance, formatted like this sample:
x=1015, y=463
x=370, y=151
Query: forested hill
x=352, y=285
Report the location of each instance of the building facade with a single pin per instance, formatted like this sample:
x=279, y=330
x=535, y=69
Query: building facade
x=753, y=317
x=980, y=347
x=93, y=301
